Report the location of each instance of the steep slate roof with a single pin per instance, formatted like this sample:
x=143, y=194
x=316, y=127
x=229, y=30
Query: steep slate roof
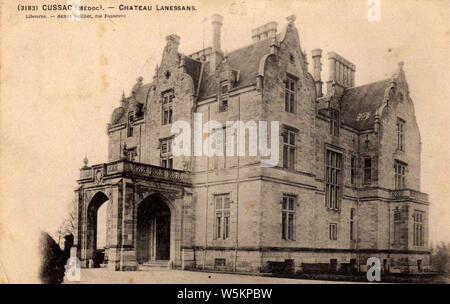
x=359, y=104
x=193, y=68
x=245, y=60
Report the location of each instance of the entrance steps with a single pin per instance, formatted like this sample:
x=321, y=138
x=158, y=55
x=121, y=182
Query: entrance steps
x=154, y=265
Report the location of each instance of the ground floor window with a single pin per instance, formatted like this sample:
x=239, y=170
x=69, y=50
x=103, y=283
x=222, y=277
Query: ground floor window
x=222, y=216
x=288, y=217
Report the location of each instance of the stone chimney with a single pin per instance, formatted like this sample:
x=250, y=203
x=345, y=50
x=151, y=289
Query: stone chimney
x=317, y=73
x=216, y=55
x=171, y=49
x=265, y=31
x=342, y=72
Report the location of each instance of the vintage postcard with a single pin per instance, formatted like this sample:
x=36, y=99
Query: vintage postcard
x=234, y=141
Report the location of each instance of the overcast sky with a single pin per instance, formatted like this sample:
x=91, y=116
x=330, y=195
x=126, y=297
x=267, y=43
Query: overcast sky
x=61, y=80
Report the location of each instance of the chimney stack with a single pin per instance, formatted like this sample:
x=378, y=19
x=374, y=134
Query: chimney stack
x=317, y=65
x=265, y=31
x=342, y=72
x=216, y=56
x=171, y=49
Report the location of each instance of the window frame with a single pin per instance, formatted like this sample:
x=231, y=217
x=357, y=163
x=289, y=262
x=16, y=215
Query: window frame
x=289, y=143
x=333, y=179
x=400, y=174
x=352, y=223
x=288, y=216
x=333, y=231
x=367, y=180
x=401, y=125
x=334, y=122
x=130, y=120
x=167, y=98
x=290, y=94
x=222, y=216
x=418, y=228
x=166, y=157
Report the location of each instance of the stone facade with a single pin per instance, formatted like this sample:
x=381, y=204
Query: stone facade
x=374, y=215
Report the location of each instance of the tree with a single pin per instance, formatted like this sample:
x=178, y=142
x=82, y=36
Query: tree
x=69, y=223
x=440, y=257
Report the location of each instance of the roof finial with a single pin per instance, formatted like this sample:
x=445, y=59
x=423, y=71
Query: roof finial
x=291, y=19
x=85, y=161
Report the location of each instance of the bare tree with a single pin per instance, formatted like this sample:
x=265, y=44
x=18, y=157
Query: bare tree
x=69, y=223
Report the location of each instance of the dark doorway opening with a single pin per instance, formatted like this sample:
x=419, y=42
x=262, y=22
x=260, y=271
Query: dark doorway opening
x=97, y=230
x=153, y=230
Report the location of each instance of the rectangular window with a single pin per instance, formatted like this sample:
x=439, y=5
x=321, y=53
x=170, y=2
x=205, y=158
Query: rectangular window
x=334, y=122
x=418, y=229
x=288, y=217
x=353, y=169
x=367, y=171
x=167, y=104
x=400, y=175
x=400, y=134
x=352, y=224
x=290, y=92
x=131, y=154
x=333, y=180
x=223, y=100
x=289, y=148
x=130, y=124
x=166, y=153
x=397, y=227
x=332, y=231
x=222, y=218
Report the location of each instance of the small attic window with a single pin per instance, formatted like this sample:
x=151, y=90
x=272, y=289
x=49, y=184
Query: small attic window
x=167, y=74
x=291, y=58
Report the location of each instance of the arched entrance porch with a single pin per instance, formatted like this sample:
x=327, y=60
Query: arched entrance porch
x=96, y=244
x=153, y=241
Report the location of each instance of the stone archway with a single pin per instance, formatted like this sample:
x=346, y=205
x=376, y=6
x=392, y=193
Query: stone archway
x=153, y=241
x=95, y=255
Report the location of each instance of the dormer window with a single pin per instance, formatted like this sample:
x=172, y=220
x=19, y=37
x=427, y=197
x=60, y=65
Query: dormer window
x=223, y=98
x=334, y=122
x=167, y=104
x=130, y=124
x=290, y=92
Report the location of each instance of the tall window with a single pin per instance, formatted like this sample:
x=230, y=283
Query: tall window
x=290, y=92
x=332, y=231
x=288, y=217
x=130, y=124
x=167, y=104
x=289, y=148
x=131, y=154
x=353, y=169
x=418, y=233
x=397, y=227
x=367, y=171
x=334, y=122
x=223, y=102
x=333, y=180
x=400, y=134
x=400, y=175
x=222, y=219
x=166, y=153
x=352, y=223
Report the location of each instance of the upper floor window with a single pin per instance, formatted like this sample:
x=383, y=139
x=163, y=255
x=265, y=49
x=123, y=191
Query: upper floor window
x=166, y=153
x=353, y=169
x=223, y=100
x=130, y=124
x=288, y=217
x=418, y=232
x=290, y=92
x=131, y=154
x=400, y=134
x=334, y=122
x=289, y=147
x=400, y=175
x=333, y=181
x=167, y=105
x=367, y=171
x=222, y=218
x=332, y=231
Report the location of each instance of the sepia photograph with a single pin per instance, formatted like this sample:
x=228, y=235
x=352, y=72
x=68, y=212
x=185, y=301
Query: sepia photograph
x=224, y=142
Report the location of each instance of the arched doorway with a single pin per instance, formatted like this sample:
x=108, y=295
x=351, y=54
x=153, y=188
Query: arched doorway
x=153, y=230
x=97, y=230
